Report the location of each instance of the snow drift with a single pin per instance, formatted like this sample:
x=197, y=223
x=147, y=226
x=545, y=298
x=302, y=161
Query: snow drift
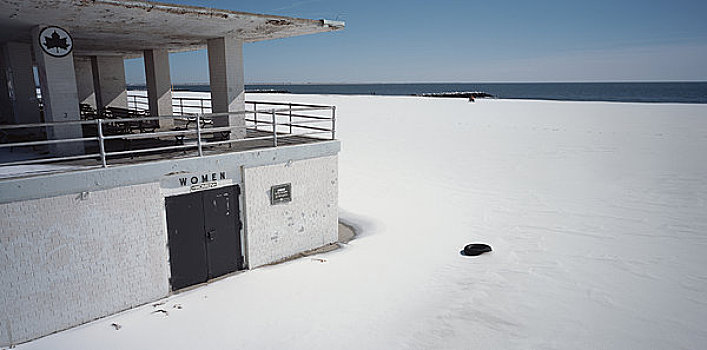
x=595, y=211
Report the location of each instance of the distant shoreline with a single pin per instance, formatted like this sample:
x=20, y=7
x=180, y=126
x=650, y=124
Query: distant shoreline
x=655, y=92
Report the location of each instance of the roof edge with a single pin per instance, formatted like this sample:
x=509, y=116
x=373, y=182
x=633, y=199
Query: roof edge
x=201, y=10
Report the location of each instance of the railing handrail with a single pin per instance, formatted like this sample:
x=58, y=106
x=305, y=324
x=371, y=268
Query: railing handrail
x=191, y=98
x=40, y=125
x=280, y=112
x=136, y=96
x=287, y=104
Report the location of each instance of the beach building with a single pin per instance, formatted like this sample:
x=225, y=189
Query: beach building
x=110, y=200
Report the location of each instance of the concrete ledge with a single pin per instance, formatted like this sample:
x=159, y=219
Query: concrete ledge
x=50, y=185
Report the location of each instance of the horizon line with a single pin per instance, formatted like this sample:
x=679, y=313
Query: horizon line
x=448, y=82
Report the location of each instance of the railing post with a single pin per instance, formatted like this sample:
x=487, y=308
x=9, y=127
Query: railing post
x=255, y=115
x=181, y=106
x=290, y=105
x=201, y=103
x=333, y=122
x=274, y=128
x=101, y=146
x=198, y=134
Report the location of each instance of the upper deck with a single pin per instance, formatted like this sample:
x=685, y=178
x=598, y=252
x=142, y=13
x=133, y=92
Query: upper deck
x=83, y=115
x=116, y=136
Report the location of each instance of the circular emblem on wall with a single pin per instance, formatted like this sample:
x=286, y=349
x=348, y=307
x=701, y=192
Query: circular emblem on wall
x=55, y=41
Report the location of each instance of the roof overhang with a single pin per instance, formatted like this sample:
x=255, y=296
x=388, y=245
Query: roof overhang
x=100, y=27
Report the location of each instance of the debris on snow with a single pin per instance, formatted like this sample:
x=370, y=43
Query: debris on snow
x=160, y=311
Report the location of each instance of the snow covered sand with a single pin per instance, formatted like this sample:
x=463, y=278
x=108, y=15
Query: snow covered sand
x=596, y=212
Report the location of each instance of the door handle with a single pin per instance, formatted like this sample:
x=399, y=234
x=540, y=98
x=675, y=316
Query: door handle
x=210, y=235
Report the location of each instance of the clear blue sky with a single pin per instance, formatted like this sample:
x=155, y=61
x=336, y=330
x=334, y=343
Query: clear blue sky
x=470, y=41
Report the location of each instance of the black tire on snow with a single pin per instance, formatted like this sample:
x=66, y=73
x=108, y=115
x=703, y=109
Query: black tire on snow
x=475, y=249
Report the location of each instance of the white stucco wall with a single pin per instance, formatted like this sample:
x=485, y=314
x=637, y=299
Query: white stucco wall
x=68, y=259
x=275, y=232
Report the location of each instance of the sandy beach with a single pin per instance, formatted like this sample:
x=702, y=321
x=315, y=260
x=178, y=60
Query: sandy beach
x=595, y=211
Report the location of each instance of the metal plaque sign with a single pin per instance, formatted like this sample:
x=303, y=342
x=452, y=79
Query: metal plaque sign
x=280, y=194
x=55, y=41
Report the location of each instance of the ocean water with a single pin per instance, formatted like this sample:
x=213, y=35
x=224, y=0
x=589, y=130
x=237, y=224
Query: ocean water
x=663, y=92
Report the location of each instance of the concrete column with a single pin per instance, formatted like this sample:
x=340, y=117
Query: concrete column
x=57, y=80
x=159, y=84
x=6, y=114
x=19, y=79
x=84, y=81
x=109, y=81
x=227, y=88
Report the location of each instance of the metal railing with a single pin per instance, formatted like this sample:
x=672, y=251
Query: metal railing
x=202, y=105
x=138, y=103
x=266, y=127
x=180, y=105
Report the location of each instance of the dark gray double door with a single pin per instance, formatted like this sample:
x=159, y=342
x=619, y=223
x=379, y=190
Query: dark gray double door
x=204, y=235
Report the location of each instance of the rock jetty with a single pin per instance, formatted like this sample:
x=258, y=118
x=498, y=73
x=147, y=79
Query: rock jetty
x=471, y=95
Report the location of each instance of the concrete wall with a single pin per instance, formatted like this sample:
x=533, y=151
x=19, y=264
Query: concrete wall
x=69, y=259
x=275, y=232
